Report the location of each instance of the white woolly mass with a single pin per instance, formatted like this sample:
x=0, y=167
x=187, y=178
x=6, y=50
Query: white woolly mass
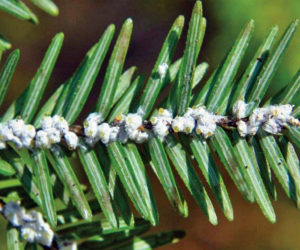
x=27, y=142
x=57, y=127
x=42, y=140
x=239, y=109
x=17, y=132
x=14, y=213
x=6, y=133
x=206, y=122
x=32, y=225
x=162, y=123
x=185, y=124
x=178, y=124
x=196, y=119
x=189, y=124
x=16, y=126
x=161, y=129
x=104, y=132
x=94, y=117
x=271, y=126
x=142, y=137
x=60, y=124
x=133, y=126
x=242, y=128
x=25, y=135
x=133, y=122
x=52, y=130
x=271, y=119
x=53, y=134
x=47, y=122
x=71, y=140
x=43, y=233
x=28, y=131
x=90, y=128
x=114, y=132
x=162, y=69
x=28, y=234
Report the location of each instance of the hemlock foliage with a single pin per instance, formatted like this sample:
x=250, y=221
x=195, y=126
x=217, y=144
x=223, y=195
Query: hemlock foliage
x=100, y=215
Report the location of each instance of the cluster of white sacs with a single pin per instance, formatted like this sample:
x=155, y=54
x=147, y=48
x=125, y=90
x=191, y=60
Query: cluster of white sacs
x=131, y=127
x=271, y=119
x=32, y=226
x=51, y=131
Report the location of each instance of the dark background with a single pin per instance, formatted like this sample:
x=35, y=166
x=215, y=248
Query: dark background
x=83, y=22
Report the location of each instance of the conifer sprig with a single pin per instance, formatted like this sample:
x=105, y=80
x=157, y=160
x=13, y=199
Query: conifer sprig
x=101, y=214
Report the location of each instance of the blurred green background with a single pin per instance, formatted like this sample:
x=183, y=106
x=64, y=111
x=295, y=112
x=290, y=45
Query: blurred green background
x=83, y=23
